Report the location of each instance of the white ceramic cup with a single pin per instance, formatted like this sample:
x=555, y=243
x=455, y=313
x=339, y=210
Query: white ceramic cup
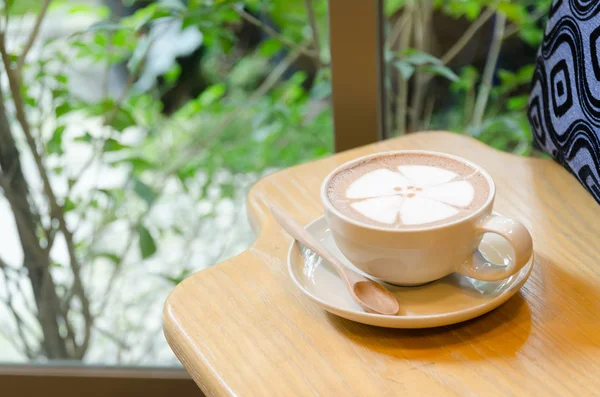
x=413, y=256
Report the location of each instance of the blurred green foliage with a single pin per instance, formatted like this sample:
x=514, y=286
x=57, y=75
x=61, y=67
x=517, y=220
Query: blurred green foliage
x=505, y=125
x=248, y=119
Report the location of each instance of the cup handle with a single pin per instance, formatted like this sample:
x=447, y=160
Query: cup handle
x=518, y=237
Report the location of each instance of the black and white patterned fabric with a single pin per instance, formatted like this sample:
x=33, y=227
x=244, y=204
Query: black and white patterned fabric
x=564, y=106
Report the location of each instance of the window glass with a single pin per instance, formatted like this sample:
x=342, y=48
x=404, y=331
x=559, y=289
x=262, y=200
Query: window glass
x=130, y=134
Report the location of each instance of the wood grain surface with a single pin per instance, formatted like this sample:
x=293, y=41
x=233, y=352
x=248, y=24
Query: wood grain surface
x=241, y=328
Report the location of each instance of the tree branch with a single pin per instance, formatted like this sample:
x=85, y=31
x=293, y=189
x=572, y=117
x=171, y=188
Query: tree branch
x=514, y=29
x=273, y=33
x=36, y=260
x=397, y=29
x=55, y=209
x=121, y=344
x=70, y=337
x=422, y=31
x=32, y=36
x=488, y=71
x=20, y=211
x=276, y=74
x=21, y=325
x=466, y=37
x=4, y=265
x=113, y=277
x=6, y=15
x=469, y=33
x=110, y=117
x=310, y=11
x=428, y=112
x=405, y=41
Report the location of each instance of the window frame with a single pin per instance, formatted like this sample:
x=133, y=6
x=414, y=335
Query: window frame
x=76, y=380
x=356, y=38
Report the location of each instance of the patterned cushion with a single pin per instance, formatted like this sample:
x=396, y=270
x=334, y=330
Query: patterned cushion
x=564, y=106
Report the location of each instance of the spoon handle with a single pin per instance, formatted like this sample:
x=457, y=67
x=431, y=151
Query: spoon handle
x=308, y=240
x=371, y=296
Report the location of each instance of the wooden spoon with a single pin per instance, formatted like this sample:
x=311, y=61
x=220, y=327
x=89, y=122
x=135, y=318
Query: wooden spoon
x=371, y=296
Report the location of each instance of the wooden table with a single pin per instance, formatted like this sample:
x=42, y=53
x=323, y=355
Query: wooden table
x=241, y=327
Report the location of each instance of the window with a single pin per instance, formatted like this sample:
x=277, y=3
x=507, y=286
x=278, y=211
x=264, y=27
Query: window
x=126, y=158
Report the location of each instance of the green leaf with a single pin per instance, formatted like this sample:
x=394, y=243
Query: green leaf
x=31, y=101
x=227, y=190
x=321, y=90
x=514, y=12
x=392, y=6
x=406, y=69
x=269, y=47
x=507, y=77
x=468, y=78
x=100, y=12
x=472, y=10
x=114, y=258
x=144, y=191
x=62, y=109
x=173, y=74
x=110, y=193
x=121, y=38
x=146, y=241
x=87, y=138
x=138, y=164
x=532, y=35
x=58, y=93
x=440, y=70
x=517, y=102
x=459, y=8
x=525, y=74
x=142, y=18
x=69, y=205
x=21, y=7
x=54, y=145
x=104, y=26
x=139, y=55
x=212, y=94
x=61, y=78
x=122, y=120
x=176, y=279
x=100, y=39
x=176, y=5
x=419, y=58
x=112, y=145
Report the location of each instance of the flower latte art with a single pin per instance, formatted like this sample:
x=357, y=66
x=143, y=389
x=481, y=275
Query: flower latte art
x=408, y=190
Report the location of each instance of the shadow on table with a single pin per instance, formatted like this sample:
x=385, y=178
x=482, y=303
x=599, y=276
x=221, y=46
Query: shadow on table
x=444, y=343
x=541, y=315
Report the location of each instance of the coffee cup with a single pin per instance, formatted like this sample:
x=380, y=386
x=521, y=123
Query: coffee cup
x=412, y=217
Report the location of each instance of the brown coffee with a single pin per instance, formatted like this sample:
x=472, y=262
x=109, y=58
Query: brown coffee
x=408, y=190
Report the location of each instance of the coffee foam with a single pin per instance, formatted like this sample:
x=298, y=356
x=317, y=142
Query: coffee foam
x=408, y=190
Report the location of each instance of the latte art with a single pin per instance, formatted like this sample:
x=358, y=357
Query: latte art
x=408, y=190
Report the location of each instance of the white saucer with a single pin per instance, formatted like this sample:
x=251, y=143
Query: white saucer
x=453, y=299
